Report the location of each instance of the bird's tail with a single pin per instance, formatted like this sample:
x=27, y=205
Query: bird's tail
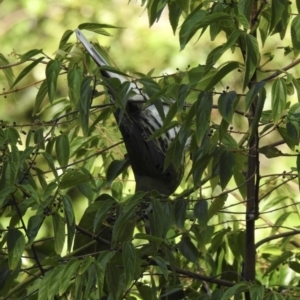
x=97, y=57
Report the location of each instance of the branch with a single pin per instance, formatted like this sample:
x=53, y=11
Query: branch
x=277, y=236
x=278, y=72
x=197, y=276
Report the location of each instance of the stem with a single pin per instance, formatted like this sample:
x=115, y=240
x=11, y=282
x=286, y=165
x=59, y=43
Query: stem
x=252, y=180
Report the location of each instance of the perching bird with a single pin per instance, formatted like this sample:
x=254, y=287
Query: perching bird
x=146, y=156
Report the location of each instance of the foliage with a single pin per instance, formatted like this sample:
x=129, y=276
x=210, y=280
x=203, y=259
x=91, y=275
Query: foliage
x=126, y=245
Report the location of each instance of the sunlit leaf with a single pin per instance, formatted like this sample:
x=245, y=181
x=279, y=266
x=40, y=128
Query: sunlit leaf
x=8, y=71
x=279, y=94
x=42, y=92
x=25, y=71
x=252, y=58
x=295, y=34
x=74, y=82
x=67, y=275
x=96, y=27
x=216, y=205
x=52, y=72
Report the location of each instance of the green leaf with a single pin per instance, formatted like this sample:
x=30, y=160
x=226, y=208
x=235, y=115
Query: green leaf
x=145, y=292
x=74, y=177
x=174, y=14
x=217, y=294
x=162, y=265
x=62, y=149
x=222, y=72
x=216, y=53
x=293, y=122
x=216, y=205
x=199, y=20
x=49, y=190
x=25, y=71
x=4, y=192
x=183, y=92
x=42, y=92
x=64, y=39
x=252, y=58
x=50, y=162
x=284, y=23
x=105, y=204
x=14, y=154
x=9, y=174
x=52, y=72
x=298, y=5
x=96, y=27
x=188, y=249
x=33, y=227
x=85, y=264
x=59, y=232
x=29, y=54
x=67, y=275
x=70, y=219
x=12, y=135
x=227, y=162
x=53, y=282
x=236, y=290
x=277, y=10
x=180, y=207
x=153, y=11
x=270, y=151
x=226, y=105
x=203, y=107
x=295, y=266
x=295, y=34
x=278, y=93
x=129, y=262
x=117, y=189
x=234, y=245
x=125, y=224
x=290, y=142
x=116, y=168
x=15, y=247
x=298, y=169
x=156, y=219
x=251, y=94
x=74, y=82
x=8, y=71
x=243, y=20
x=148, y=237
x=113, y=280
x=245, y=7
x=26, y=154
x=201, y=213
x=215, y=28
x=218, y=240
x=258, y=112
x=278, y=261
x=43, y=288
x=185, y=31
x=264, y=25
x=85, y=103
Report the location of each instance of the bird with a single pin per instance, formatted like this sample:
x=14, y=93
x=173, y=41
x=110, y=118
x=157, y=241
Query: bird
x=137, y=124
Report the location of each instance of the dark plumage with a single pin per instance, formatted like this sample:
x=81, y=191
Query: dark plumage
x=146, y=157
